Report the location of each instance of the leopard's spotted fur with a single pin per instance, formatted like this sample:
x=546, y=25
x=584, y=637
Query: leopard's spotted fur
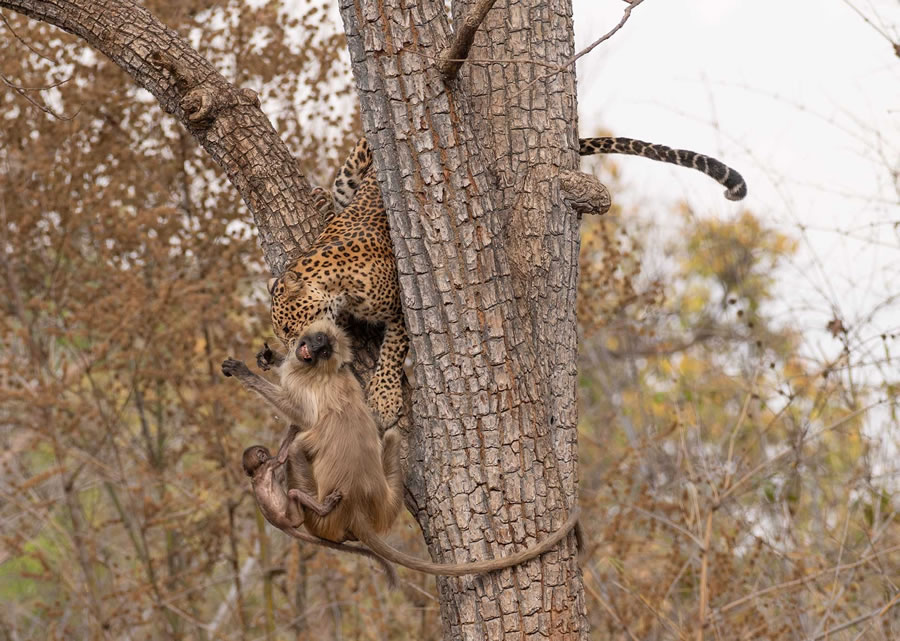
x=350, y=268
x=351, y=173
x=351, y=265
x=735, y=187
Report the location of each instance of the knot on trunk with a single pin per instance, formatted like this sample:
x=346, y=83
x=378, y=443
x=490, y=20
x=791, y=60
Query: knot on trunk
x=203, y=99
x=528, y=223
x=584, y=192
x=206, y=102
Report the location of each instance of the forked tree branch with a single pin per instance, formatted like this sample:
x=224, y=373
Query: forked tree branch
x=225, y=120
x=456, y=54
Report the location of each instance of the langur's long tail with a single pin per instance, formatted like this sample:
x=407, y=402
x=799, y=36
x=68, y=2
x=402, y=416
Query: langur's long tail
x=365, y=534
x=389, y=569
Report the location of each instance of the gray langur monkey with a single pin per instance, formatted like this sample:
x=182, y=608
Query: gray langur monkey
x=339, y=449
x=283, y=512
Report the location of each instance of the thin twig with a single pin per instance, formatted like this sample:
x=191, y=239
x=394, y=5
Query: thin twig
x=609, y=34
x=834, y=597
x=265, y=559
x=553, y=68
x=187, y=617
x=25, y=42
x=704, y=576
x=606, y=606
x=455, y=55
x=860, y=619
x=58, y=83
x=729, y=465
x=766, y=463
x=668, y=522
x=24, y=93
x=801, y=581
x=662, y=618
x=869, y=22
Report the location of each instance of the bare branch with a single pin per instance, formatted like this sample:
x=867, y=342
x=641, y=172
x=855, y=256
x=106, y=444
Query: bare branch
x=52, y=85
x=874, y=26
x=803, y=580
x=609, y=34
x=860, y=619
x=23, y=42
x=453, y=58
x=23, y=91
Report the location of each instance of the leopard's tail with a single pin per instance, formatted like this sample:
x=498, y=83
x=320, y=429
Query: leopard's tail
x=350, y=176
x=735, y=187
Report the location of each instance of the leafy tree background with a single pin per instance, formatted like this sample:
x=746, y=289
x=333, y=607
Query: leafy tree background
x=730, y=477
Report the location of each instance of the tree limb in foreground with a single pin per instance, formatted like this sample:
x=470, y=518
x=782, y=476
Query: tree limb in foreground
x=226, y=121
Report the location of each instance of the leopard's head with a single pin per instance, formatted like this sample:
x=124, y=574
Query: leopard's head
x=295, y=304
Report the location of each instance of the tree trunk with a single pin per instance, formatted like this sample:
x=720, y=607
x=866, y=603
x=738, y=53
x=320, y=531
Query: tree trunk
x=487, y=255
x=486, y=249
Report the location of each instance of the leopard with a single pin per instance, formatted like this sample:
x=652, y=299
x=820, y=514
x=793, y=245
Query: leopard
x=350, y=267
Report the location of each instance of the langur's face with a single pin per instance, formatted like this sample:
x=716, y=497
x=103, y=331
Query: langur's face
x=314, y=347
x=323, y=346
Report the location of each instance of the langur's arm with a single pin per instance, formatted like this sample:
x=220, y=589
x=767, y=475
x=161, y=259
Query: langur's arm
x=272, y=393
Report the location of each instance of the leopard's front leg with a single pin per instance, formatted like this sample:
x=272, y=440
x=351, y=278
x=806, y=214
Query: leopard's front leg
x=267, y=358
x=384, y=392
x=323, y=201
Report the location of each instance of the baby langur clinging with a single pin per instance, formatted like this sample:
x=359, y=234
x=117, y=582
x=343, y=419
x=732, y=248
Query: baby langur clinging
x=286, y=514
x=338, y=449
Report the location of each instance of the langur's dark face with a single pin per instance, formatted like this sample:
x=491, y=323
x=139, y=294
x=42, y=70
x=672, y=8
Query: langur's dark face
x=314, y=347
x=253, y=459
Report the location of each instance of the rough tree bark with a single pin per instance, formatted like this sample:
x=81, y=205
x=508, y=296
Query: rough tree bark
x=487, y=255
x=477, y=171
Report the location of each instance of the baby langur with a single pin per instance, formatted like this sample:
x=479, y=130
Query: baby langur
x=338, y=449
x=260, y=466
x=286, y=514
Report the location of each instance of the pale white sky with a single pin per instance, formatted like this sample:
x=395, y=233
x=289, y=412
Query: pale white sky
x=803, y=98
